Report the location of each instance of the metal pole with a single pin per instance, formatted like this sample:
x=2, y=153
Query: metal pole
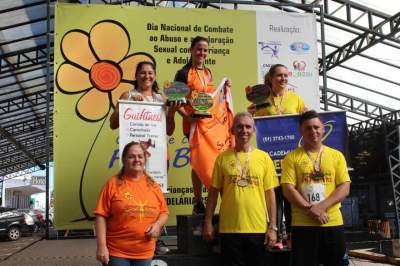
x=324, y=79
x=48, y=98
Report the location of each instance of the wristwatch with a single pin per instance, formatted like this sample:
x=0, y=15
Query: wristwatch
x=273, y=227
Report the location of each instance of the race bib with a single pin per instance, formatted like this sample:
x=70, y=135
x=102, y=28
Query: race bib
x=313, y=193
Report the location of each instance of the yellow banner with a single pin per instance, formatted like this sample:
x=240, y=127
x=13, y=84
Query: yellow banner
x=96, y=50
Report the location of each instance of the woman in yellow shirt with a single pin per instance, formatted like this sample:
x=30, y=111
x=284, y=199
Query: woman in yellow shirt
x=281, y=100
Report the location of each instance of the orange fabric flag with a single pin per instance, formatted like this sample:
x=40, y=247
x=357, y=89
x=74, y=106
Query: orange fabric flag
x=211, y=136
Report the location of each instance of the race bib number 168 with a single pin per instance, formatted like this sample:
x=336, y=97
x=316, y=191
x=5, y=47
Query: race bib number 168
x=313, y=193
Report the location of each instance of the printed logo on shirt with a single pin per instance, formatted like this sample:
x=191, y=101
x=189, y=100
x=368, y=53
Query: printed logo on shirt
x=141, y=210
x=128, y=195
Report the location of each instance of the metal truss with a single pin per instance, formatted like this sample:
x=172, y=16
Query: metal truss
x=21, y=137
x=28, y=126
x=372, y=32
x=363, y=42
x=355, y=105
x=392, y=143
x=20, y=145
x=14, y=158
x=361, y=128
x=22, y=166
x=22, y=172
x=390, y=124
x=31, y=141
x=27, y=101
x=354, y=14
x=23, y=59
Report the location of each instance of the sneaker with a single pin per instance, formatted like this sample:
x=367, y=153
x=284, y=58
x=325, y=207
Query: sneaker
x=198, y=208
x=161, y=248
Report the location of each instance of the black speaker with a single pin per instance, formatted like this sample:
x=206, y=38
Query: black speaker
x=190, y=241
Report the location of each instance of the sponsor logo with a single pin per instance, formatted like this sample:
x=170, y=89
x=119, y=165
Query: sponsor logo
x=299, y=67
x=143, y=114
x=271, y=48
x=300, y=47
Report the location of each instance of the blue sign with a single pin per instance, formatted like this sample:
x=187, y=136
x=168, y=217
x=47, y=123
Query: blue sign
x=278, y=135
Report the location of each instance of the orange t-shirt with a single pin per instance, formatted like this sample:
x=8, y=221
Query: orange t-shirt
x=130, y=207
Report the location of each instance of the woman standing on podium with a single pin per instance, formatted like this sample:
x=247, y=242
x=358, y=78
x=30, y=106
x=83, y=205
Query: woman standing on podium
x=130, y=213
x=145, y=89
x=281, y=100
x=208, y=136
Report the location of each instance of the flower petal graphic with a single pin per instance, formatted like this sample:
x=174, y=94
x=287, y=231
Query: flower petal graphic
x=72, y=79
x=128, y=65
x=118, y=91
x=93, y=105
x=75, y=47
x=109, y=40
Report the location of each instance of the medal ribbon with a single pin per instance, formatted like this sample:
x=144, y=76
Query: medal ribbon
x=202, y=79
x=317, y=162
x=278, y=108
x=243, y=170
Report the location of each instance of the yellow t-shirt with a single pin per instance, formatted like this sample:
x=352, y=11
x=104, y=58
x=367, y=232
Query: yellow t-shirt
x=296, y=170
x=243, y=208
x=292, y=104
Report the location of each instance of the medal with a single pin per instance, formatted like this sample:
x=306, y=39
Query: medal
x=243, y=171
x=278, y=108
x=316, y=174
x=202, y=101
x=242, y=182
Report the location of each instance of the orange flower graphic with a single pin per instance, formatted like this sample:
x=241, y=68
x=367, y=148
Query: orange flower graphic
x=97, y=64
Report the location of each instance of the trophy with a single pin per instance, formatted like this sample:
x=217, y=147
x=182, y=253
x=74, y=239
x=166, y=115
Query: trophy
x=176, y=92
x=201, y=103
x=258, y=95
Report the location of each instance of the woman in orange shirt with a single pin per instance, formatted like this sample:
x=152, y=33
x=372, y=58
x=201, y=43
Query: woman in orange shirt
x=212, y=134
x=130, y=213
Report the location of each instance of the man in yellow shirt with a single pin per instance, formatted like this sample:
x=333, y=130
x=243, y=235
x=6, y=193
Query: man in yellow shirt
x=246, y=178
x=315, y=180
